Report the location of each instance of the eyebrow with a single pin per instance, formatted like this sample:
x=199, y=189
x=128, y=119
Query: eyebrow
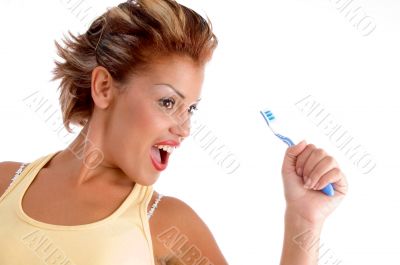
x=175, y=90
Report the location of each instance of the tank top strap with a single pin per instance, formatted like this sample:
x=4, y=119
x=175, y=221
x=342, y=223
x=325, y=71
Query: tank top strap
x=24, y=172
x=136, y=213
x=141, y=200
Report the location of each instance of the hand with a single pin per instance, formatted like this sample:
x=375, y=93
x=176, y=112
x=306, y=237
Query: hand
x=304, y=162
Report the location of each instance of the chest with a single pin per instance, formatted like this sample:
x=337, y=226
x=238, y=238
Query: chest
x=55, y=202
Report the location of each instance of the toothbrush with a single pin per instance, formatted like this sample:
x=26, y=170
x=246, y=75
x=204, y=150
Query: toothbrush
x=269, y=118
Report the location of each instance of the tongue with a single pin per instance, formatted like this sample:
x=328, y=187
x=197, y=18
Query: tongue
x=155, y=153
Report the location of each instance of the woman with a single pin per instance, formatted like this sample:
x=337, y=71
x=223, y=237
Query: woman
x=132, y=81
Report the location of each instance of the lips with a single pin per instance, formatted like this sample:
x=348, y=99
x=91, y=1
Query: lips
x=160, y=152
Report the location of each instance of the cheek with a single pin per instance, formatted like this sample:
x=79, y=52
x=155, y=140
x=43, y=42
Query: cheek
x=145, y=120
x=152, y=121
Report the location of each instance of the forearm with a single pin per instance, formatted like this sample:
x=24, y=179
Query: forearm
x=301, y=241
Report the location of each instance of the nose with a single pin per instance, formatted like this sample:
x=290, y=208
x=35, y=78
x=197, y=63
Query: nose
x=181, y=126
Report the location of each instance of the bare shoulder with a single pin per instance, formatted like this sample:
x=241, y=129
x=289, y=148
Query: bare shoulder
x=7, y=171
x=180, y=236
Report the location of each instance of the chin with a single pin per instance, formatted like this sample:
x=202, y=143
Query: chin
x=149, y=179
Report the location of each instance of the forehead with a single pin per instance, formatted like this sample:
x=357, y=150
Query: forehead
x=180, y=73
x=178, y=67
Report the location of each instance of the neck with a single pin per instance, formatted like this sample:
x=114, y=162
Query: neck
x=85, y=160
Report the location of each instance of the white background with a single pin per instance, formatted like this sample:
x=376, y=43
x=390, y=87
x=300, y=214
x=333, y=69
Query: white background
x=271, y=54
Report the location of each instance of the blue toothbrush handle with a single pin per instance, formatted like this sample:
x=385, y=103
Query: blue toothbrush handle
x=328, y=190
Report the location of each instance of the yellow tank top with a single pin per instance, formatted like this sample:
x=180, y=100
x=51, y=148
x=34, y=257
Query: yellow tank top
x=120, y=239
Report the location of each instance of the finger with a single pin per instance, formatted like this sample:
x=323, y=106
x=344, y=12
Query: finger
x=321, y=168
x=331, y=176
x=341, y=186
x=291, y=155
x=302, y=158
x=336, y=178
x=316, y=155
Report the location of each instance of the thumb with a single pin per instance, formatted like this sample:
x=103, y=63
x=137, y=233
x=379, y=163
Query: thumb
x=289, y=161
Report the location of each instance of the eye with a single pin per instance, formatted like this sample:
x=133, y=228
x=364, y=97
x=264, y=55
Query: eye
x=167, y=103
x=192, y=109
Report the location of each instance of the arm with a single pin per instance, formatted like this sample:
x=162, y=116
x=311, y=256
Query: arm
x=305, y=171
x=180, y=236
x=300, y=242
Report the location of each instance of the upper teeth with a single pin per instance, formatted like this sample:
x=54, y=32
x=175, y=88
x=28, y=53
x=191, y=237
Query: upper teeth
x=167, y=148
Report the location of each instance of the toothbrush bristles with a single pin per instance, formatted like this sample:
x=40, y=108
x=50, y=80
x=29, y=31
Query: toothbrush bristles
x=270, y=116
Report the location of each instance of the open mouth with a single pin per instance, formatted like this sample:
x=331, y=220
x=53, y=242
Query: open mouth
x=163, y=156
x=159, y=155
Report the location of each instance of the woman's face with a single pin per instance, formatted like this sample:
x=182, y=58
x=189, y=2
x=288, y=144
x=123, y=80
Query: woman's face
x=152, y=113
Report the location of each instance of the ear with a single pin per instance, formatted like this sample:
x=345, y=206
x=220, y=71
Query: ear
x=101, y=87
